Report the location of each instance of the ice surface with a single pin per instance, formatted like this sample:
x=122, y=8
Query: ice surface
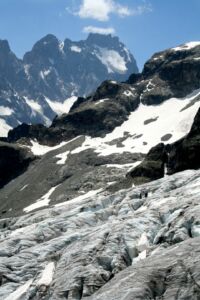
x=99, y=234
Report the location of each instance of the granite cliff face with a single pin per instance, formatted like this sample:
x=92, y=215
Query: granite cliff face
x=75, y=223
x=49, y=78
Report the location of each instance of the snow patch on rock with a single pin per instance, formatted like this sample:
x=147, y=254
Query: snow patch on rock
x=61, y=107
x=44, y=201
x=112, y=60
x=75, y=48
x=5, y=111
x=4, y=128
x=187, y=46
x=62, y=158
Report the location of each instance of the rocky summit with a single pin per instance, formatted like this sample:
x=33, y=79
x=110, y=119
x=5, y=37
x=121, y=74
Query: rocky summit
x=47, y=81
x=104, y=203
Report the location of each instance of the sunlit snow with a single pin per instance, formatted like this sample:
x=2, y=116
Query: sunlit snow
x=43, y=201
x=38, y=149
x=169, y=119
x=35, y=106
x=112, y=60
x=47, y=275
x=19, y=293
x=5, y=111
x=4, y=128
x=80, y=198
x=187, y=46
x=63, y=158
x=61, y=107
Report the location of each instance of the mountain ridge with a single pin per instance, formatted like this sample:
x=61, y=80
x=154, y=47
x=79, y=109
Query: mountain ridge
x=35, y=87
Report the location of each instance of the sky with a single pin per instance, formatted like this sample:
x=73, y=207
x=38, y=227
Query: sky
x=145, y=26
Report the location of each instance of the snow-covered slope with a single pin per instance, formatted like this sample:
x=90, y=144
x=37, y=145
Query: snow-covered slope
x=148, y=126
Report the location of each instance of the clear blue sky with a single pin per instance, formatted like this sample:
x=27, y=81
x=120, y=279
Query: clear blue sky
x=144, y=26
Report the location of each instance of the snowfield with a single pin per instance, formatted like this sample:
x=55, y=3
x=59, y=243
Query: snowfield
x=148, y=126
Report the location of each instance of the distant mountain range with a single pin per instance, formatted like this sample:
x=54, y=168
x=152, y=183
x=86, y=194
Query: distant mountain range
x=49, y=78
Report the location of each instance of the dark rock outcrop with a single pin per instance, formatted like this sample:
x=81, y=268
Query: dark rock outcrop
x=184, y=154
x=14, y=160
x=170, y=73
x=152, y=167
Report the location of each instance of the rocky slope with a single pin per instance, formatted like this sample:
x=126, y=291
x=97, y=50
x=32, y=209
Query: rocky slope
x=49, y=78
x=74, y=226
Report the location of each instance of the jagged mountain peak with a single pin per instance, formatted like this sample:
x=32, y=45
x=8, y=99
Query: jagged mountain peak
x=46, y=47
x=37, y=87
x=104, y=40
x=46, y=40
x=4, y=46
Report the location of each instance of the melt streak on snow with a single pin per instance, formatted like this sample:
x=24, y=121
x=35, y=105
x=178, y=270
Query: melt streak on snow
x=168, y=119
